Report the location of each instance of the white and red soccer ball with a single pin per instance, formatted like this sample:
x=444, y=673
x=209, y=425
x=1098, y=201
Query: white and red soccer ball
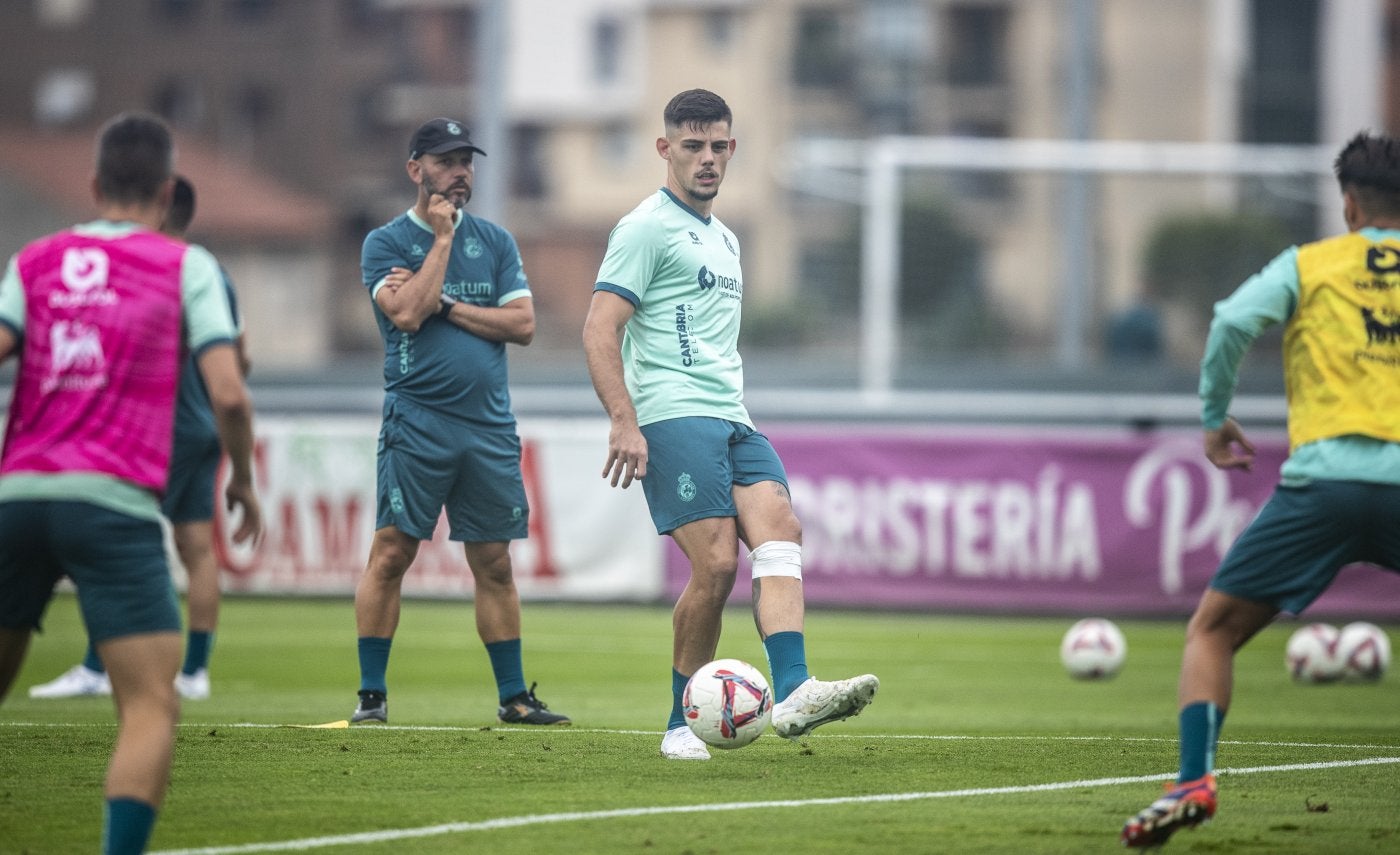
x=727, y=703
x=1364, y=650
x=1312, y=654
x=1094, y=648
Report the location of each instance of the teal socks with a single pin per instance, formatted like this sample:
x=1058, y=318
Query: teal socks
x=374, y=663
x=197, y=647
x=126, y=826
x=678, y=681
x=787, y=662
x=507, y=668
x=1199, y=725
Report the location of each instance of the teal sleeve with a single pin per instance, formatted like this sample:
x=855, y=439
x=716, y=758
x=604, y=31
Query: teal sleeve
x=1265, y=299
x=208, y=319
x=12, y=305
x=634, y=252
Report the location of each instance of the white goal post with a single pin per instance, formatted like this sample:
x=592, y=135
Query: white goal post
x=882, y=161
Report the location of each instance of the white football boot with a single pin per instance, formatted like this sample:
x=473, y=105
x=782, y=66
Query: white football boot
x=78, y=681
x=680, y=743
x=193, y=687
x=816, y=702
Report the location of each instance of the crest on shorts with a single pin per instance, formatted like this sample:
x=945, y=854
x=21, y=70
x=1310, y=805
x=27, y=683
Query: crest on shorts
x=685, y=487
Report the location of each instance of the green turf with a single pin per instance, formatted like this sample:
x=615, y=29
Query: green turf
x=967, y=706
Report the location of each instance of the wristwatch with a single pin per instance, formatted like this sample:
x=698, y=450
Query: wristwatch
x=446, y=303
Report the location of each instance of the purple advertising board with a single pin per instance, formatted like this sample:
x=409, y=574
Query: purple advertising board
x=1026, y=520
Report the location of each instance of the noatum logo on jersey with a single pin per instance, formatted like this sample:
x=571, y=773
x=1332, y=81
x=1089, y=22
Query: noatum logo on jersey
x=728, y=285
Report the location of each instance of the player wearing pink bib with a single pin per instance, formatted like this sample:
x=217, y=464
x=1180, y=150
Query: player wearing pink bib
x=98, y=316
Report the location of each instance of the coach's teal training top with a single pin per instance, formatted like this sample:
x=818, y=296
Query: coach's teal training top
x=1267, y=298
x=680, y=271
x=443, y=367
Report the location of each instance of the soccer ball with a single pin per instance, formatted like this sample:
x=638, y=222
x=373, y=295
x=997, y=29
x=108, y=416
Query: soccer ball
x=1093, y=648
x=727, y=703
x=1312, y=654
x=1364, y=651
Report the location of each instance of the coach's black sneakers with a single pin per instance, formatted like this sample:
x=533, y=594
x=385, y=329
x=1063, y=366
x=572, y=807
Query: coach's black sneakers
x=525, y=708
x=373, y=706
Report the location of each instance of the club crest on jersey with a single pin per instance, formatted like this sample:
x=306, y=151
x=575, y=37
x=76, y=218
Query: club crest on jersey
x=732, y=251
x=685, y=487
x=472, y=247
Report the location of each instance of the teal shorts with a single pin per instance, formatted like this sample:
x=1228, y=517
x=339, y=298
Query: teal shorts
x=1291, y=552
x=428, y=462
x=116, y=561
x=189, y=494
x=694, y=463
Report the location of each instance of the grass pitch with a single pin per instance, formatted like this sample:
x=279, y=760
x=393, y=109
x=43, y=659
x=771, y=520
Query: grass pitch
x=977, y=742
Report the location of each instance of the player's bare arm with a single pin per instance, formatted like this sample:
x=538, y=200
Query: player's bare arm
x=602, y=349
x=416, y=299
x=7, y=342
x=1227, y=448
x=513, y=323
x=233, y=416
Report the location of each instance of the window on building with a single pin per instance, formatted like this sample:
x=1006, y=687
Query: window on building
x=616, y=142
x=607, y=49
x=819, y=57
x=977, y=184
x=529, y=171
x=1280, y=103
x=179, y=101
x=976, y=46
x=64, y=96
x=256, y=106
x=719, y=29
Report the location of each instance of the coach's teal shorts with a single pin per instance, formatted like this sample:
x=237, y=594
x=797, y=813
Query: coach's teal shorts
x=116, y=561
x=1303, y=535
x=189, y=494
x=694, y=463
x=428, y=461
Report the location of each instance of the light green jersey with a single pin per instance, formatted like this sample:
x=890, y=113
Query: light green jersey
x=680, y=271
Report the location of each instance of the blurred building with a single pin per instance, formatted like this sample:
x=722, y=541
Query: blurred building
x=318, y=98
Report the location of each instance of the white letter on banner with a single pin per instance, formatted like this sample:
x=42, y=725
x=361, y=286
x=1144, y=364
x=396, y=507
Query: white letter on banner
x=1012, y=520
x=1079, y=534
x=969, y=527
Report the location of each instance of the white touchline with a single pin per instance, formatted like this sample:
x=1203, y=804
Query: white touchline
x=620, y=813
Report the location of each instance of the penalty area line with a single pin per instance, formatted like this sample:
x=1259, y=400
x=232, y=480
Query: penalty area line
x=392, y=835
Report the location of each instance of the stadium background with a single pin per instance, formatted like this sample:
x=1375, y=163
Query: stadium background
x=978, y=274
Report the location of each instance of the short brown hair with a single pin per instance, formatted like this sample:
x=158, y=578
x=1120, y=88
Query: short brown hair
x=1369, y=168
x=696, y=108
x=135, y=157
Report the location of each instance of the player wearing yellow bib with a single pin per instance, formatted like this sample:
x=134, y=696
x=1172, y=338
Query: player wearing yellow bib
x=661, y=341
x=1338, y=500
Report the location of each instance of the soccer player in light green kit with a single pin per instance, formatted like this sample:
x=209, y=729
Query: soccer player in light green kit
x=661, y=342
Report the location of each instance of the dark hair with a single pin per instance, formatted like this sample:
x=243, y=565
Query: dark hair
x=177, y=219
x=135, y=156
x=696, y=108
x=1369, y=167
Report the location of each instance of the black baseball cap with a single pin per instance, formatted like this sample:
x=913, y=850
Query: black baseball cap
x=440, y=136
